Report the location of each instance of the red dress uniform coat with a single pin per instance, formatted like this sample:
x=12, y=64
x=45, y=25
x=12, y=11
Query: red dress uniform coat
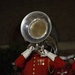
x=73, y=66
x=66, y=70
x=36, y=65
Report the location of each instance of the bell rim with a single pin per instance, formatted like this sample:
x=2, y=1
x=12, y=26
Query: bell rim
x=28, y=37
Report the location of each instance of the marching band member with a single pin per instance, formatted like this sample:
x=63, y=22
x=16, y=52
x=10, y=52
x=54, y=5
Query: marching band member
x=67, y=69
x=38, y=62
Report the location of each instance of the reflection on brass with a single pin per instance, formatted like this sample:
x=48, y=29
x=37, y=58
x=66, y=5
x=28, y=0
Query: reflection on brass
x=38, y=28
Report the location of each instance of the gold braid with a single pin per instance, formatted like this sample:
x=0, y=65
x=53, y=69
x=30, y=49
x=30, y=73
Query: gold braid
x=49, y=67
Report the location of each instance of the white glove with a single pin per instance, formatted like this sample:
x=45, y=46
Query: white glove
x=50, y=55
x=27, y=52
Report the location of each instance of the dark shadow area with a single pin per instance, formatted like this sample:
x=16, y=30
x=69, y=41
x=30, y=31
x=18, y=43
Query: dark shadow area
x=7, y=57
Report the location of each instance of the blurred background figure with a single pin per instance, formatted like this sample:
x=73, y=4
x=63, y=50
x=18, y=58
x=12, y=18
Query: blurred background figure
x=67, y=69
x=15, y=71
x=73, y=67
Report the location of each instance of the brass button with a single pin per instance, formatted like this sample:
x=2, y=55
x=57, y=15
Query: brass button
x=33, y=72
x=34, y=61
x=34, y=57
x=33, y=64
x=33, y=68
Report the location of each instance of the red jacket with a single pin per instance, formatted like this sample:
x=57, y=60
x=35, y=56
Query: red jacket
x=66, y=70
x=73, y=66
x=36, y=65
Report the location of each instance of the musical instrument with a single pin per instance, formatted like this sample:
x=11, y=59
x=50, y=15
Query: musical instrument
x=36, y=27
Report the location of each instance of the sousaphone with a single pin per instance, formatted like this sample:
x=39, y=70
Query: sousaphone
x=36, y=27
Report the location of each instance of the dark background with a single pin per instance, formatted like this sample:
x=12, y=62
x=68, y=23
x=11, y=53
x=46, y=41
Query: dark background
x=61, y=13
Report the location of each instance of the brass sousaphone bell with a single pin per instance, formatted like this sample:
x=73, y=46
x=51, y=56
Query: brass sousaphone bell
x=36, y=27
